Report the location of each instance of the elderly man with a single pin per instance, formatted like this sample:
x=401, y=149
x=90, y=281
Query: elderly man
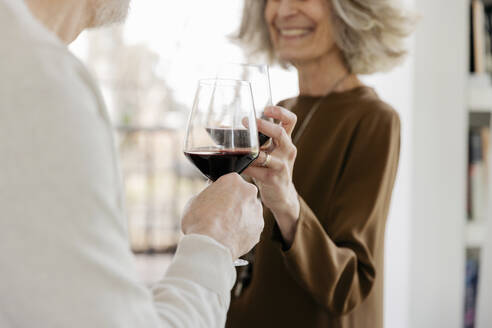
x=65, y=260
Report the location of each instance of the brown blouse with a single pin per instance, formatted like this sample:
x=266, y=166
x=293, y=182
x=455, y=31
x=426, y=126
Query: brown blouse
x=332, y=276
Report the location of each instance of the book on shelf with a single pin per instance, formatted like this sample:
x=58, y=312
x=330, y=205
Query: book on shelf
x=471, y=284
x=478, y=180
x=480, y=37
x=483, y=315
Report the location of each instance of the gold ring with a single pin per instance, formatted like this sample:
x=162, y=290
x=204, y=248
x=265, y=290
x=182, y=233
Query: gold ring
x=267, y=160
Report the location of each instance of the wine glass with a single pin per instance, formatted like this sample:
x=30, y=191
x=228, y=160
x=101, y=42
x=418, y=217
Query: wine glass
x=259, y=77
x=222, y=136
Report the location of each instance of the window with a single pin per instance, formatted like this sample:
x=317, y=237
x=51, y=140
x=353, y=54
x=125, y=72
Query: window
x=148, y=70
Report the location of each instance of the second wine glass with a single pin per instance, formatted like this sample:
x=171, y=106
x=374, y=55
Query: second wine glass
x=259, y=77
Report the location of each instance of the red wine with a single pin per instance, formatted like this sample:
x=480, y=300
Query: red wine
x=216, y=163
x=223, y=137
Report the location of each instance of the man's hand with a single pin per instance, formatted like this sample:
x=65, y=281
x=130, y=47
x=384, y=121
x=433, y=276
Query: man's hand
x=228, y=211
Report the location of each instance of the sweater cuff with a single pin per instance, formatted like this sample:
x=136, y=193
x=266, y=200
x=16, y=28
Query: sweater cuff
x=306, y=225
x=204, y=261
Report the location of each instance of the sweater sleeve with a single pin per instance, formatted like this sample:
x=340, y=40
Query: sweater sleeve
x=195, y=291
x=332, y=255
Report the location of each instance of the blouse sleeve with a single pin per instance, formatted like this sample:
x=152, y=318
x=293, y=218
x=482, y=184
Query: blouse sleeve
x=332, y=256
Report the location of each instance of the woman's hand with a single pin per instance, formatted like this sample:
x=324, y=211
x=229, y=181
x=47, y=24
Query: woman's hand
x=272, y=171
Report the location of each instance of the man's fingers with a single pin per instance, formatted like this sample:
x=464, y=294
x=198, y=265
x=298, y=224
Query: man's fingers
x=257, y=173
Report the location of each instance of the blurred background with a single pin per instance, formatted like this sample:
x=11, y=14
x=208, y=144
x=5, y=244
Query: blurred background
x=436, y=239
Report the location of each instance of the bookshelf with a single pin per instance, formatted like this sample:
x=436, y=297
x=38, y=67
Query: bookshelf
x=480, y=99
x=480, y=108
x=447, y=100
x=479, y=105
x=476, y=233
x=480, y=93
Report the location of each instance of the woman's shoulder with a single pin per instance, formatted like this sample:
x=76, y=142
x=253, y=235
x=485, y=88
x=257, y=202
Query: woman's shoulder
x=375, y=118
x=356, y=106
x=288, y=103
x=365, y=105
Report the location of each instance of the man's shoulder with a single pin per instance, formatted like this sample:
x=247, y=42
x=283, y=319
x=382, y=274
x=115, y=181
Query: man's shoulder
x=36, y=66
x=29, y=52
x=18, y=26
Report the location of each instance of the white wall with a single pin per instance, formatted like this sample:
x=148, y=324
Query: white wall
x=396, y=88
x=438, y=165
x=424, y=269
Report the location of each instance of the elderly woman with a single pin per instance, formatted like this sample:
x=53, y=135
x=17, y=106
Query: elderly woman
x=320, y=260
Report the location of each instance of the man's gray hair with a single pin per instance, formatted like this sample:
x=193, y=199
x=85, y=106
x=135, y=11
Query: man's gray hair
x=106, y=12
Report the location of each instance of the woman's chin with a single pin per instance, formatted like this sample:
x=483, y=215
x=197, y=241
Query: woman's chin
x=294, y=57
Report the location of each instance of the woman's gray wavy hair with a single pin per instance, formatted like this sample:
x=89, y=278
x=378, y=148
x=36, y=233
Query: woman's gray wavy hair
x=370, y=33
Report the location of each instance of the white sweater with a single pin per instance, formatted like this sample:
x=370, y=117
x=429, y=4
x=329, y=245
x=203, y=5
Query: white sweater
x=64, y=254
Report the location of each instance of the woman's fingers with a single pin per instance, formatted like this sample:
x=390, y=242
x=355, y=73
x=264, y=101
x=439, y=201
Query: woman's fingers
x=265, y=160
x=274, y=165
x=287, y=118
x=261, y=160
x=276, y=132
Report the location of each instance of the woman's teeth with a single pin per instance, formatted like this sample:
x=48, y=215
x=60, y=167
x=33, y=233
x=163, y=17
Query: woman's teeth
x=294, y=32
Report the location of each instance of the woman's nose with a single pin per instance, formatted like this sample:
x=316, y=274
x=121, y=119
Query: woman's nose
x=287, y=8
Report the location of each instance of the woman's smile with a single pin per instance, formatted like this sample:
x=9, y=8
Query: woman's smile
x=294, y=33
x=299, y=31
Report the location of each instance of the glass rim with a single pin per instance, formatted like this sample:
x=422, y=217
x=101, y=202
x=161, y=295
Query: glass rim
x=224, y=82
x=246, y=64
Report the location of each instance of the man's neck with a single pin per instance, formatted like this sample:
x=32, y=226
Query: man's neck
x=65, y=18
x=318, y=77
